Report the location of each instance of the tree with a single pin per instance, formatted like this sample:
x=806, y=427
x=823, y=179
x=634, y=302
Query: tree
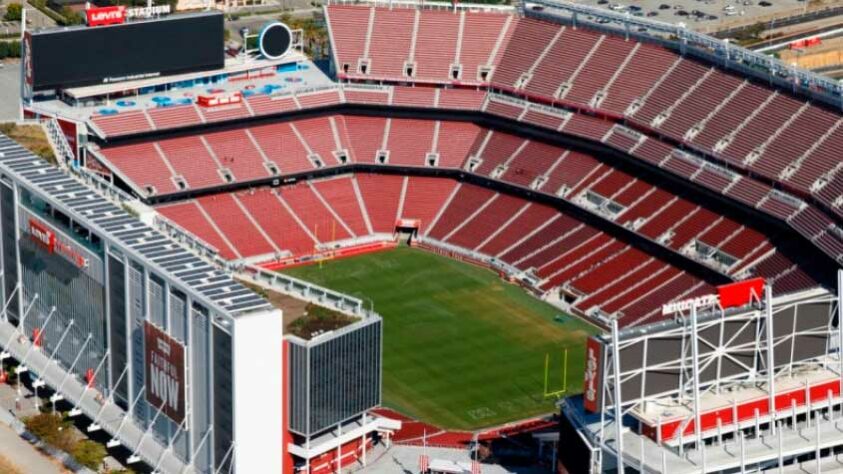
x=9, y=49
x=13, y=12
x=89, y=454
x=71, y=17
x=52, y=429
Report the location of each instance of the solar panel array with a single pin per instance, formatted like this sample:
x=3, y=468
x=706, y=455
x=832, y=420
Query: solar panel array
x=113, y=224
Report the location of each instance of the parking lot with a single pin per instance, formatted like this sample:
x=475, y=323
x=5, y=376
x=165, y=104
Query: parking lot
x=709, y=15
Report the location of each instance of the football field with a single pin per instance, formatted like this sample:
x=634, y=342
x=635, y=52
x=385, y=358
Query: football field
x=462, y=348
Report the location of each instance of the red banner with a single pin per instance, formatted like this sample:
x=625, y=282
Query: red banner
x=164, y=361
x=101, y=16
x=593, y=375
x=69, y=130
x=42, y=235
x=740, y=293
x=216, y=100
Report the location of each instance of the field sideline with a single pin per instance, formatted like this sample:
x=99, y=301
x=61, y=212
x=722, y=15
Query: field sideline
x=462, y=348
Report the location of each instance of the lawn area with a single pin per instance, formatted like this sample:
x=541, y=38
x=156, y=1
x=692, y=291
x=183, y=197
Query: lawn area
x=31, y=137
x=462, y=348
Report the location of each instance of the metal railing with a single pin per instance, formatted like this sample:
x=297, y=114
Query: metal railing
x=61, y=148
x=305, y=291
x=718, y=51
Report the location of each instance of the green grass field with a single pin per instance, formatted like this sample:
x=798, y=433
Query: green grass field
x=462, y=348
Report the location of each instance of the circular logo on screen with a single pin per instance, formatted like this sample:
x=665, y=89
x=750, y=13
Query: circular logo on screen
x=275, y=40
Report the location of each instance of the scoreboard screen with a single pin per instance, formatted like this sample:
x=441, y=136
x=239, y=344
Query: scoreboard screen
x=81, y=56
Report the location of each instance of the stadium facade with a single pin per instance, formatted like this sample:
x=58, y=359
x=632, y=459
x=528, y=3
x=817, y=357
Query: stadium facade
x=624, y=169
x=759, y=375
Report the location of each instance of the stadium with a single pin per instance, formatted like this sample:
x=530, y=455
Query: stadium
x=677, y=194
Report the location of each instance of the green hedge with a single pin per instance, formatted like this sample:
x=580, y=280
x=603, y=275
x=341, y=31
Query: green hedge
x=9, y=49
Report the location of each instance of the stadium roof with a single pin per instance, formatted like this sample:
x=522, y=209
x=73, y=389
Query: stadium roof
x=208, y=284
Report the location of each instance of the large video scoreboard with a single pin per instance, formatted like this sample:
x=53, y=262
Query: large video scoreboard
x=89, y=55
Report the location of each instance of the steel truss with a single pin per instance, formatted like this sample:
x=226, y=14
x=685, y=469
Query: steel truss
x=707, y=352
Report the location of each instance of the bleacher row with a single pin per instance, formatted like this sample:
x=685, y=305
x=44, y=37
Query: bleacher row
x=216, y=158
x=801, y=216
x=169, y=117
x=243, y=155
x=592, y=268
x=739, y=123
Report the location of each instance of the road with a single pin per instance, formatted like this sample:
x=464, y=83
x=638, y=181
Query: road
x=24, y=455
x=36, y=19
x=257, y=21
x=9, y=90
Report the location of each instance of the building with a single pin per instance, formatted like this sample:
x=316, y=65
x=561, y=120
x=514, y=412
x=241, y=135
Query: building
x=698, y=164
x=161, y=335
x=760, y=375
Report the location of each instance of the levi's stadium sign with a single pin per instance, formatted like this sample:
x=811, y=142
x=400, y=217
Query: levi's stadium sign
x=102, y=16
x=47, y=239
x=42, y=235
x=115, y=15
x=592, y=392
x=147, y=12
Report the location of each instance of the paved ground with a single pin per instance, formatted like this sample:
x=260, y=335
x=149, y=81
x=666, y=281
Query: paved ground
x=24, y=456
x=21, y=452
x=36, y=19
x=12, y=446
x=257, y=21
x=714, y=14
x=405, y=460
x=9, y=90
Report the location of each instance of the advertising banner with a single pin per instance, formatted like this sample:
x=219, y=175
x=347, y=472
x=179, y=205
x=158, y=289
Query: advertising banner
x=741, y=293
x=164, y=366
x=593, y=389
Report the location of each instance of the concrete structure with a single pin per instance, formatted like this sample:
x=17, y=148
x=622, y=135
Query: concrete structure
x=716, y=389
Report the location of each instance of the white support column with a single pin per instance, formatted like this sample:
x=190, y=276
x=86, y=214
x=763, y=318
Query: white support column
x=58, y=396
x=225, y=459
x=601, y=433
x=170, y=444
x=817, y=449
x=339, y=449
x=134, y=457
x=781, y=449
x=642, y=455
x=76, y=411
x=22, y=366
x=771, y=372
x=198, y=449
x=695, y=357
x=840, y=328
x=743, y=453
x=18, y=331
x=363, y=454
x=61, y=340
x=616, y=368
x=114, y=440
x=9, y=301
